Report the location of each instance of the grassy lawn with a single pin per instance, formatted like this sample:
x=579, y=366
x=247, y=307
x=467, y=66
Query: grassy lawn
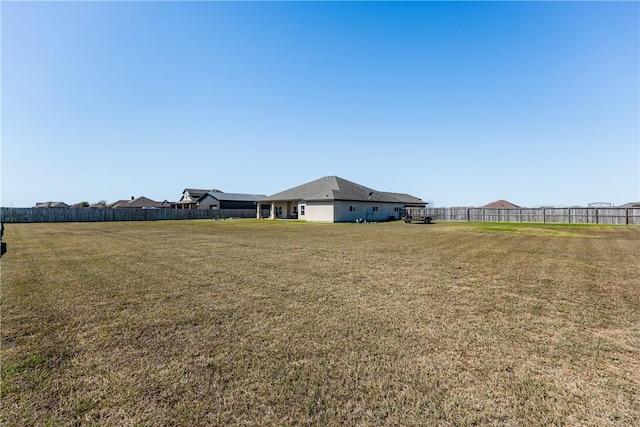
x=248, y=322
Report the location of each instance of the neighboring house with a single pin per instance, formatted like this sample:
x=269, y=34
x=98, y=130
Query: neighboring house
x=140, y=203
x=600, y=205
x=80, y=205
x=190, y=196
x=630, y=205
x=220, y=200
x=51, y=205
x=334, y=199
x=501, y=204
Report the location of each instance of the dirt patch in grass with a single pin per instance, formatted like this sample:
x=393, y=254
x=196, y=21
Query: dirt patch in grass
x=277, y=323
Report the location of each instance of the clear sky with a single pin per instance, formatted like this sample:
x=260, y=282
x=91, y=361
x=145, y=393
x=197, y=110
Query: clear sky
x=459, y=103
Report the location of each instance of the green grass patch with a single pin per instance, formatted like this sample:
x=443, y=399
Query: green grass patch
x=31, y=362
x=565, y=230
x=501, y=228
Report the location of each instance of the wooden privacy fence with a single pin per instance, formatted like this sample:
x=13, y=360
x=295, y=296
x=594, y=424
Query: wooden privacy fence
x=618, y=216
x=13, y=215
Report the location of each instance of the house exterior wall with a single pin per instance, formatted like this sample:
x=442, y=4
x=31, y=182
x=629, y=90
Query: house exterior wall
x=281, y=210
x=317, y=212
x=292, y=210
x=208, y=202
x=186, y=202
x=344, y=212
x=265, y=209
x=186, y=198
x=333, y=211
x=366, y=211
x=388, y=213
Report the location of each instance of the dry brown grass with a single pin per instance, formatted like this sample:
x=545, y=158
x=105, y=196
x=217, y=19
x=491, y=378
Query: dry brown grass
x=286, y=323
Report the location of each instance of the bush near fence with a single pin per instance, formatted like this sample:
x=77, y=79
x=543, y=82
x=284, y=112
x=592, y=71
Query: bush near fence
x=616, y=216
x=14, y=215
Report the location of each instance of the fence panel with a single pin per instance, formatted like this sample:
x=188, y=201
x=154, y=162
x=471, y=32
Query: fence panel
x=633, y=216
x=582, y=216
x=611, y=216
x=531, y=215
x=14, y=215
x=458, y=214
x=618, y=216
x=475, y=214
x=556, y=215
x=237, y=213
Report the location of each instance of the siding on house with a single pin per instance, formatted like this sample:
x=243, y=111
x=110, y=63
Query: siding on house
x=208, y=203
x=319, y=212
x=366, y=211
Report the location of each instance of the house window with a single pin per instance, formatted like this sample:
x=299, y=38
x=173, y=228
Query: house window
x=375, y=209
x=396, y=209
x=352, y=208
x=278, y=211
x=302, y=210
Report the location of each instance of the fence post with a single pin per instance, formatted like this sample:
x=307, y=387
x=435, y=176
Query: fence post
x=626, y=216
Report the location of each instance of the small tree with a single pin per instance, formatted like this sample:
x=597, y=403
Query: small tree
x=83, y=204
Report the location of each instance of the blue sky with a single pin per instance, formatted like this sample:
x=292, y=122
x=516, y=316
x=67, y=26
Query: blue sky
x=459, y=103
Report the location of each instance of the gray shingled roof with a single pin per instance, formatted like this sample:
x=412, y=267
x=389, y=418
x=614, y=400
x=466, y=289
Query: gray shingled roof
x=336, y=188
x=407, y=199
x=139, y=202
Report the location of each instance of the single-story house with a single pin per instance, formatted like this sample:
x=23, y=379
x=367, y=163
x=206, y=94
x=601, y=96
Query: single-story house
x=190, y=196
x=220, y=200
x=51, y=205
x=140, y=203
x=630, y=205
x=334, y=199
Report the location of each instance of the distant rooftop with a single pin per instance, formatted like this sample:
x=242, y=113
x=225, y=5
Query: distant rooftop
x=501, y=204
